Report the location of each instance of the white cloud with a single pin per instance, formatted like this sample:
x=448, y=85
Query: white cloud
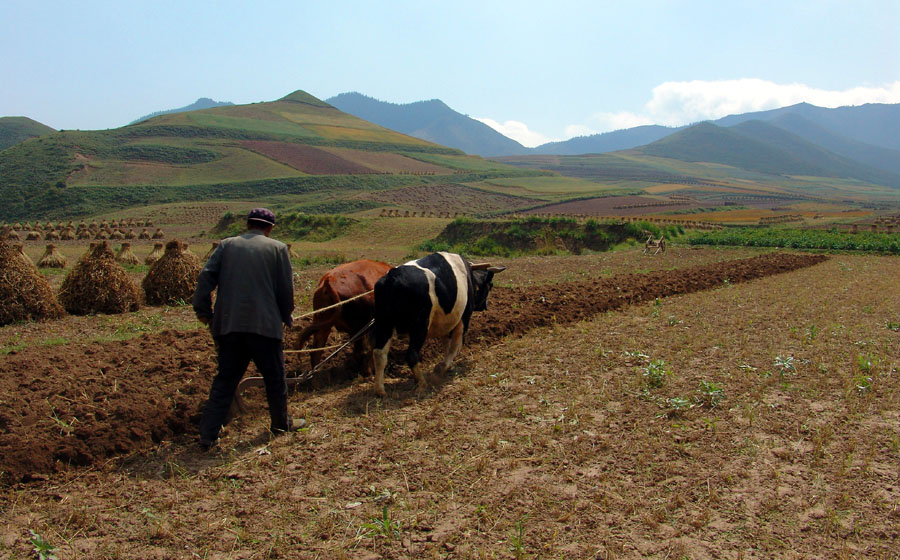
x=518, y=131
x=678, y=103
x=606, y=122
x=681, y=103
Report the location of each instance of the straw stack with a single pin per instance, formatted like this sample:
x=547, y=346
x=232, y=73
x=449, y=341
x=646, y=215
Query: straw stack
x=173, y=277
x=52, y=258
x=126, y=255
x=25, y=294
x=215, y=245
x=155, y=254
x=98, y=284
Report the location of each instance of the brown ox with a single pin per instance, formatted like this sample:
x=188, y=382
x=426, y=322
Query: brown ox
x=340, y=284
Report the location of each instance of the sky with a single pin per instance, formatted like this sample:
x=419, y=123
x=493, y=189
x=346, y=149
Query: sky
x=536, y=71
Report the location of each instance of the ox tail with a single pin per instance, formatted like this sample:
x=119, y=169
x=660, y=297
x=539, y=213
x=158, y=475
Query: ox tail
x=310, y=330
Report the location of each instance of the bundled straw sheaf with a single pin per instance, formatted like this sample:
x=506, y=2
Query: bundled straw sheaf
x=25, y=295
x=155, y=254
x=173, y=277
x=98, y=284
x=126, y=255
x=52, y=258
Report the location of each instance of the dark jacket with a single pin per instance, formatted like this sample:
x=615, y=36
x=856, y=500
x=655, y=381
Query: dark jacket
x=255, y=286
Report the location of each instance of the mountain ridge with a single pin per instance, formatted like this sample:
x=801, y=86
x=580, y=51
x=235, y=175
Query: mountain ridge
x=431, y=120
x=201, y=103
x=14, y=130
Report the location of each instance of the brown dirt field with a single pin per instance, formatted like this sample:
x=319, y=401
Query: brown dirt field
x=450, y=198
x=610, y=206
x=79, y=405
x=546, y=442
x=305, y=158
x=388, y=162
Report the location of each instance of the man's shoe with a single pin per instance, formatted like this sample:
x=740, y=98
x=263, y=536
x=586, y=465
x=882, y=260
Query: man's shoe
x=207, y=444
x=294, y=425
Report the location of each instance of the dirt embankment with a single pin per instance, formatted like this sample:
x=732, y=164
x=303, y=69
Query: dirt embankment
x=79, y=404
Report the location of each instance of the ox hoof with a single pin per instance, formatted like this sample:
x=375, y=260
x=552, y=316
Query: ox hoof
x=439, y=370
x=379, y=392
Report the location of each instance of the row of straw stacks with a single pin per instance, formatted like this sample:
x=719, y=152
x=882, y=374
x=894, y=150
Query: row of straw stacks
x=96, y=284
x=114, y=224
x=53, y=258
x=82, y=233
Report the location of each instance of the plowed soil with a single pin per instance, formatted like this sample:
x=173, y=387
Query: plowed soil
x=305, y=158
x=79, y=404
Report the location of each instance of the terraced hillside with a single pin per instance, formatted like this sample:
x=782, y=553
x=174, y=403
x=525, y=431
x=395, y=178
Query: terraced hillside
x=296, y=144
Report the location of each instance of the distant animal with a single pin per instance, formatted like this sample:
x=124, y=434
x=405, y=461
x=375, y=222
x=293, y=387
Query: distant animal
x=340, y=284
x=658, y=244
x=432, y=297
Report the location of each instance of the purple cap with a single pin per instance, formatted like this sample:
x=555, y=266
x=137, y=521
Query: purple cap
x=263, y=215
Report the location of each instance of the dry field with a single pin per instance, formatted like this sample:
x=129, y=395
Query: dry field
x=697, y=404
x=450, y=198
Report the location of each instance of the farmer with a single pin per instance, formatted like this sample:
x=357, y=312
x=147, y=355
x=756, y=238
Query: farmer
x=255, y=298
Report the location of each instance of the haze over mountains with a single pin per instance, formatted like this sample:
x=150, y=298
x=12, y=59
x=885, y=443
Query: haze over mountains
x=430, y=120
x=799, y=139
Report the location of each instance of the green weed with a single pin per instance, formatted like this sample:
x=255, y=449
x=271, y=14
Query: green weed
x=517, y=540
x=711, y=393
x=655, y=374
x=42, y=546
x=785, y=365
x=383, y=526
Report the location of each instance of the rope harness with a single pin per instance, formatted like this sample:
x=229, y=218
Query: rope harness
x=338, y=304
x=248, y=382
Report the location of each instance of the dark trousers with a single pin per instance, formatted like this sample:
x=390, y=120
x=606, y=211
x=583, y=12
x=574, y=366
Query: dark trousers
x=235, y=352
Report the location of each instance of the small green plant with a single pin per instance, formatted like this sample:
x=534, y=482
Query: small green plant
x=678, y=405
x=383, y=527
x=892, y=326
x=655, y=373
x=42, y=546
x=812, y=332
x=863, y=384
x=785, y=366
x=711, y=393
x=656, y=307
x=866, y=363
x=517, y=541
x=65, y=428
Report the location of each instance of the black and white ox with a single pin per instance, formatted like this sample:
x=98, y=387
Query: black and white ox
x=433, y=297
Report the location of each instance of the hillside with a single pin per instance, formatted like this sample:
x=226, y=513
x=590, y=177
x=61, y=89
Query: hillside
x=886, y=159
x=202, y=103
x=757, y=146
x=872, y=123
x=297, y=144
x=607, y=141
x=14, y=130
x=430, y=120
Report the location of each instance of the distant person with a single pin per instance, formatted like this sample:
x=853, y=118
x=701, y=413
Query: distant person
x=254, y=301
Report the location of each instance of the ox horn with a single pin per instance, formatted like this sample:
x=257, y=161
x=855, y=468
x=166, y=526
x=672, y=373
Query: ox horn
x=487, y=266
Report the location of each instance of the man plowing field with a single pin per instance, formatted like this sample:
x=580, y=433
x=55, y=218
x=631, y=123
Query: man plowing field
x=255, y=298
